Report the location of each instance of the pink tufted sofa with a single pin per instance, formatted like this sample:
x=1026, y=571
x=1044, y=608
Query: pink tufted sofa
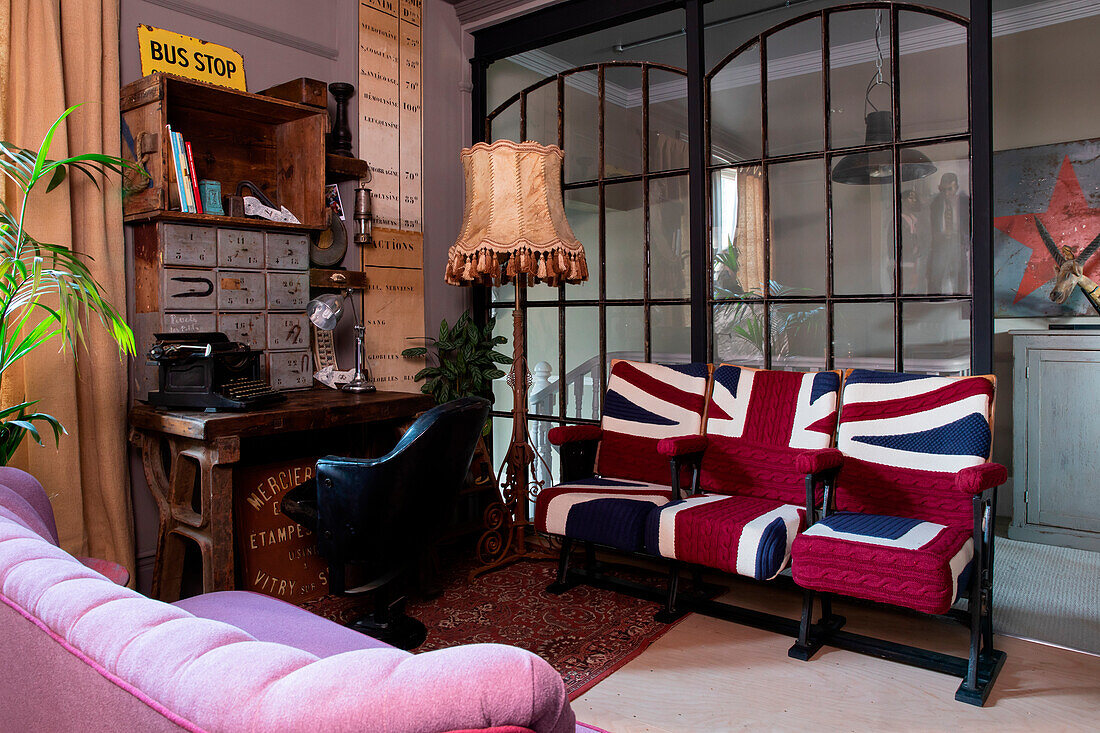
x=82, y=653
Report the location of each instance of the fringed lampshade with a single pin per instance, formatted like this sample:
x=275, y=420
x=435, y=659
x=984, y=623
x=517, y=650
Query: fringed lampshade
x=514, y=218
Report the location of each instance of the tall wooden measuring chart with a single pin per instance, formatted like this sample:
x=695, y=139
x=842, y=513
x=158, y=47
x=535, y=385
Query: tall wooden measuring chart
x=390, y=139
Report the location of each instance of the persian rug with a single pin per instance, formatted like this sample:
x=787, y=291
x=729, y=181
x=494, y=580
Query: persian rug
x=585, y=633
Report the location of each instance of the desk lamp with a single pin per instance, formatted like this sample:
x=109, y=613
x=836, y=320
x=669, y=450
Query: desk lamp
x=514, y=229
x=324, y=312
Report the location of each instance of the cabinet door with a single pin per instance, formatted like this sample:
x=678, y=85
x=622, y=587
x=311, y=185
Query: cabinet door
x=240, y=249
x=188, y=245
x=1063, y=439
x=241, y=291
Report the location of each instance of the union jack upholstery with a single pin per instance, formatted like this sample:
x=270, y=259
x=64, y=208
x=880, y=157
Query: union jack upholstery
x=903, y=529
x=753, y=505
x=643, y=404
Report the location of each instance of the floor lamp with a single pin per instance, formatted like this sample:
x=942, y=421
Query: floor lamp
x=514, y=230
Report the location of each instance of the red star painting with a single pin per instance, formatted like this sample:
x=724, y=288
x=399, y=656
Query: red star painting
x=1070, y=221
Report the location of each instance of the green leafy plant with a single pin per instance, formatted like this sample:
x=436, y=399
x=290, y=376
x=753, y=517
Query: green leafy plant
x=744, y=316
x=47, y=291
x=465, y=359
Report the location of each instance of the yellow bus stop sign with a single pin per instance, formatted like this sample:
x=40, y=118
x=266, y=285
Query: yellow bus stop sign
x=189, y=57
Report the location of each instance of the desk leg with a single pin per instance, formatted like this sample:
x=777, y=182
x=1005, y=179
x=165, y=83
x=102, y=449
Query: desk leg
x=211, y=528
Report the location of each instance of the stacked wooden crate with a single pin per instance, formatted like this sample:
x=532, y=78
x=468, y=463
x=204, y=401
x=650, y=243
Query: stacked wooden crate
x=245, y=277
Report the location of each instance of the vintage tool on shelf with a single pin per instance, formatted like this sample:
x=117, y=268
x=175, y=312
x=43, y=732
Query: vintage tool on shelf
x=363, y=215
x=325, y=311
x=207, y=371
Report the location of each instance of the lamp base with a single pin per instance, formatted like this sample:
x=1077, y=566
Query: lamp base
x=358, y=384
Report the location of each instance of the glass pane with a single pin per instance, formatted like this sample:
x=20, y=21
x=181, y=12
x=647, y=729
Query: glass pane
x=548, y=462
x=859, y=73
x=625, y=241
x=796, y=192
x=737, y=231
x=622, y=121
x=582, y=210
x=864, y=336
x=670, y=334
x=738, y=330
x=502, y=392
x=582, y=362
x=504, y=293
x=625, y=333
x=501, y=437
x=668, y=125
x=542, y=114
x=795, y=104
x=863, y=238
x=936, y=337
x=542, y=360
x=735, y=109
x=505, y=126
x=932, y=71
x=936, y=223
x=669, y=255
x=582, y=128
x=798, y=336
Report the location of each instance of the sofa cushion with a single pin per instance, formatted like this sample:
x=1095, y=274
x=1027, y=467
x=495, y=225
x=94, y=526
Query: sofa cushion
x=916, y=421
x=739, y=467
x=787, y=409
x=644, y=403
x=736, y=534
x=899, y=560
x=602, y=510
x=269, y=619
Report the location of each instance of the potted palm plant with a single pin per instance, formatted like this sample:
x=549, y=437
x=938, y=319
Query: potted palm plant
x=47, y=292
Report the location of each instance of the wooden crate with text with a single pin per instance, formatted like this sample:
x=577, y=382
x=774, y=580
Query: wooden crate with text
x=277, y=555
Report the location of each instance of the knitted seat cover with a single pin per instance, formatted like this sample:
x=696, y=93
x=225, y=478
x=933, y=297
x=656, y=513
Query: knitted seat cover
x=644, y=403
x=754, y=503
x=903, y=534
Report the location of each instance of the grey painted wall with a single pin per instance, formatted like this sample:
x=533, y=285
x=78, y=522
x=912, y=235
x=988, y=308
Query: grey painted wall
x=286, y=39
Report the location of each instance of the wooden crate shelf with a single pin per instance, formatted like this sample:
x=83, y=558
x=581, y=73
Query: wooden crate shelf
x=214, y=219
x=339, y=168
x=234, y=136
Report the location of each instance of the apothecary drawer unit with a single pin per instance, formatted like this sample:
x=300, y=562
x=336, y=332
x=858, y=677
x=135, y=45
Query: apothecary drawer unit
x=246, y=281
x=1056, y=447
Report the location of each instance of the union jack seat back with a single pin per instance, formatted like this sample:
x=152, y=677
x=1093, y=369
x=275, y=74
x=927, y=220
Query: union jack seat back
x=756, y=421
x=903, y=437
x=644, y=403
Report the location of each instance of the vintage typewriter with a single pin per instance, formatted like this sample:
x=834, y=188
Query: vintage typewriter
x=207, y=371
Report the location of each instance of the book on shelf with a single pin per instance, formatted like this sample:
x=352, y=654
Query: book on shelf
x=176, y=199
x=185, y=179
x=194, y=179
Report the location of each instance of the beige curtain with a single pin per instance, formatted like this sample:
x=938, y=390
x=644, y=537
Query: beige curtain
x=748, y=236
x=55, y=54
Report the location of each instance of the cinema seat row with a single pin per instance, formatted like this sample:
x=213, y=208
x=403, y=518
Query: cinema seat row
x=868, y=484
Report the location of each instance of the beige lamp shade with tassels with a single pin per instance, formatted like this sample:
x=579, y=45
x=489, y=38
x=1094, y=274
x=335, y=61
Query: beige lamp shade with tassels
x=514, y=219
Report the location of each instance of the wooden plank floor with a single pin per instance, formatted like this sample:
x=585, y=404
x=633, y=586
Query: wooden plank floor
x=711, y=675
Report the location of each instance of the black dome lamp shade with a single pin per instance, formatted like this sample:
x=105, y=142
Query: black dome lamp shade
x=876, y=167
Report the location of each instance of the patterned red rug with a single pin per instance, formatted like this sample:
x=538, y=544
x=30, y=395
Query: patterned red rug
x=586, y=633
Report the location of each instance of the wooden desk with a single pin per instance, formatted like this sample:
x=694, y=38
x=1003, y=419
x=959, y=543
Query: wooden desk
x=178, y=447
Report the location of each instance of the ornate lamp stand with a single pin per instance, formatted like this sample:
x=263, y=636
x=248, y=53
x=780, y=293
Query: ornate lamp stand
x=514, y=228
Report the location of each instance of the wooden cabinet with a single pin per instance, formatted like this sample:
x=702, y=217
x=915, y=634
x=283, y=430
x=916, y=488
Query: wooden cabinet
x=1056, y=449
x=248, y=283
x=248, y=278
x=235, y=136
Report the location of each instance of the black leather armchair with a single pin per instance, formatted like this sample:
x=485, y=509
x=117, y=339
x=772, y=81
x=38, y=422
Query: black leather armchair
x=377, y=517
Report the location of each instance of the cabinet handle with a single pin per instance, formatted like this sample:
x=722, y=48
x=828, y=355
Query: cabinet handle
x=338, y=277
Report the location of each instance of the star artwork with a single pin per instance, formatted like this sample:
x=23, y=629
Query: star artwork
x=1057, y=187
